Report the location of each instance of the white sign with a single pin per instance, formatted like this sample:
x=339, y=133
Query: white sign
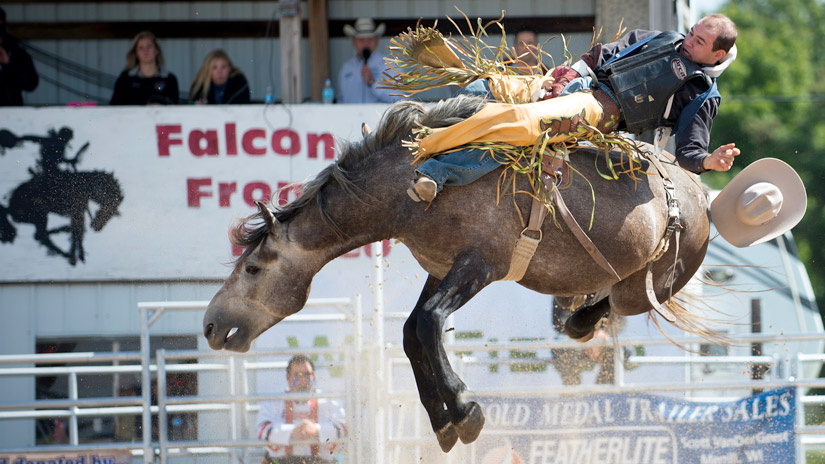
x=186, y=174
x=183, y=173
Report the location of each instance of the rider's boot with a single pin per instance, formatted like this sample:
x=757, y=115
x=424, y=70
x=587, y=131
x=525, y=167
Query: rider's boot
x=424, y=189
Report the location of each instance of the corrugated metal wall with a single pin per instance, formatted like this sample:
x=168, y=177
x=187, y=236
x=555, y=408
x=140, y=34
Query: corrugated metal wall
x=96, y=308
x=258, y=58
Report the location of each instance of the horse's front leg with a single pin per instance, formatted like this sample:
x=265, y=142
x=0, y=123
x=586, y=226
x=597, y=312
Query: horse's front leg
x=424, y=375
x=470, y=273
x=78, y=230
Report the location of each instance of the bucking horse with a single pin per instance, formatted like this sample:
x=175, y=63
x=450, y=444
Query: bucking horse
x=465, y=241
x=67, y=194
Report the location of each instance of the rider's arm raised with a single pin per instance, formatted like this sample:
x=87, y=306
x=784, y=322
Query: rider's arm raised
x=692, y=144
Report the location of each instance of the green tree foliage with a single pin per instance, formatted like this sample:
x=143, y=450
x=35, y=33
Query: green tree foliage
x=772, y=106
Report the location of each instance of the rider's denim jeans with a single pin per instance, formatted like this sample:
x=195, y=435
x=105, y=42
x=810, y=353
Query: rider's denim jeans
x=461, y=167
x=478, y=87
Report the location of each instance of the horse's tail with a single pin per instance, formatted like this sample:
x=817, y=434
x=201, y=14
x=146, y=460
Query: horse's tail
x=7, y=230
x=688, y=311
x=691, y=321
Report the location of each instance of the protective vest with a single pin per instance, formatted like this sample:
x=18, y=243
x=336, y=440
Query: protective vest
x=289, y=417
x=645, y=75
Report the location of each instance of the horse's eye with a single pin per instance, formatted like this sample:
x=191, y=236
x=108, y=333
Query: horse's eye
x=252, y=269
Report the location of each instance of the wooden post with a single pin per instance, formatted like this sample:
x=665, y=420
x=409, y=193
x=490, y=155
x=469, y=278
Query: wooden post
x=290, y=25
x=318, y=47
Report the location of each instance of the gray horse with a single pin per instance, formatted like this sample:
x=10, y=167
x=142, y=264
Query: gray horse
x=465, y=241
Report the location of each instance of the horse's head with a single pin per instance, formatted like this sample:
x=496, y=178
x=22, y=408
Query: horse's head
x=270, y=281
x=106, y=192
x=107, y=211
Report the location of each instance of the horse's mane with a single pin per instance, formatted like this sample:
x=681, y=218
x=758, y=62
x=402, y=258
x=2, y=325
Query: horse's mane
x=99, y=175
x=397, y=123
x=102, y=180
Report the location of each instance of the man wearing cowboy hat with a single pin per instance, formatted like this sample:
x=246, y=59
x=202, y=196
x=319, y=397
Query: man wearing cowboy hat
x=358, y=78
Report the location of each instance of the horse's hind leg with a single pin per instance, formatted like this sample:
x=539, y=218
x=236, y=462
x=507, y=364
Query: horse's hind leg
x=43, y=235
x=424, y=375
x=581, y=325
x=7, y=230
x=470, y=273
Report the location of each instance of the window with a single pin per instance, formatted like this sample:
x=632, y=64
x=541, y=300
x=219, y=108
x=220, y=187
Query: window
x=113, y=428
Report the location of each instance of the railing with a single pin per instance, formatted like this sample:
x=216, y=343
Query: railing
x=783, y=372
x=367, y=401
x=346, y=311
x=150, y=312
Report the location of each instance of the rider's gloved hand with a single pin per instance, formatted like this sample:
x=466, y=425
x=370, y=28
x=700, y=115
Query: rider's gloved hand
x=562, y=75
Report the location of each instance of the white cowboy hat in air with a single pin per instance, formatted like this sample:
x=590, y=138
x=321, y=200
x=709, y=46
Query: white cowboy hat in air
x=762, y=202
x=364, y=27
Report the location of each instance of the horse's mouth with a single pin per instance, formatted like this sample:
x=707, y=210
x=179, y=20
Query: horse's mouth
x=235, y=334
x=229, y=339
x=237, y=340
x=231, y=334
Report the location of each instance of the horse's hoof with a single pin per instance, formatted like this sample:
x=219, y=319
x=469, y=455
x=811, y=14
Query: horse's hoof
x=587, y=337
x=447, y=437
x=470, y=427
x=579, y=334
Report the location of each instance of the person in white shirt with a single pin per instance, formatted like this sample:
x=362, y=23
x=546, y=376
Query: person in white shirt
x=359, y=76
x=280, y=423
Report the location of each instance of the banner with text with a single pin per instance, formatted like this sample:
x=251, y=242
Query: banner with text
x=149, y=193
x=94, y=457
x=639, y=428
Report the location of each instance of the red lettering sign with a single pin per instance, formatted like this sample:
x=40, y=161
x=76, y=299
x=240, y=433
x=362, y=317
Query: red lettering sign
x=237, y=250
x=287, y=190
x=250, y=190
x=278, y=142
x=207, y=142
x=196, y=139
x=194, y=192
x=313, y=140
x=248, y=142
x=225, y=190
x=231, y=139
x=165, y=140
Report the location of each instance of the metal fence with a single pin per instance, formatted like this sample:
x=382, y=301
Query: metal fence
x=387, y=423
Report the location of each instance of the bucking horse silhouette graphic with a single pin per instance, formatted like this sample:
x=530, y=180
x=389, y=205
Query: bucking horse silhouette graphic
x=56, y=186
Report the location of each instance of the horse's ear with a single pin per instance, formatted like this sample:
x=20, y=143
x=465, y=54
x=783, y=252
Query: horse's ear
x=267, y=216
x=365, y=129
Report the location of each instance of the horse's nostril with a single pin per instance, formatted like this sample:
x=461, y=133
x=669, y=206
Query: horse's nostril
x=208, y=329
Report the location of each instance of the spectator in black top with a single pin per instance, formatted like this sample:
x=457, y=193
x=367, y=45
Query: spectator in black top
x=219, y=82
x=145, y=81
x=17, y=71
